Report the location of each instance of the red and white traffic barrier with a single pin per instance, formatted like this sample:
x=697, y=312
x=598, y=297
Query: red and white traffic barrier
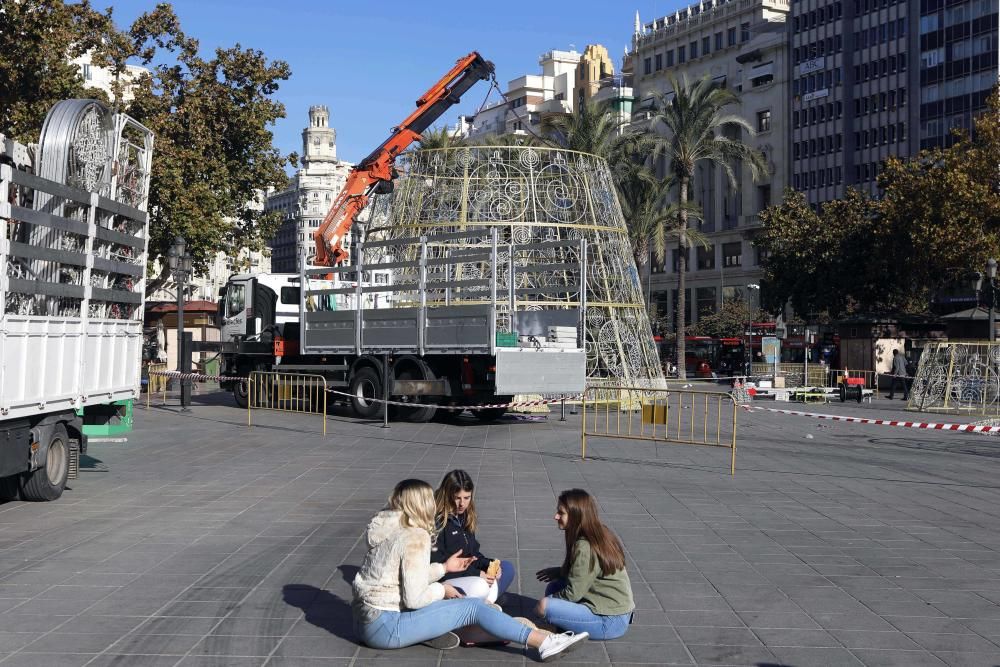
x=934, y=426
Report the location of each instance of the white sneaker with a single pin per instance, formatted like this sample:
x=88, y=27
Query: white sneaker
x=556, y=644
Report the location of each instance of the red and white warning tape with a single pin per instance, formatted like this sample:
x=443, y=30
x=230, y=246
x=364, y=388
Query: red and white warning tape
x=968, y=428
x=177, y=375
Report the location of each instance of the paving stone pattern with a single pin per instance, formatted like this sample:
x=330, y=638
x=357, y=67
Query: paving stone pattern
x=201, y=542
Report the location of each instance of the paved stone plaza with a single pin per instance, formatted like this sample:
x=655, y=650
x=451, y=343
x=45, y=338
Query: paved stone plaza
x=200, y=542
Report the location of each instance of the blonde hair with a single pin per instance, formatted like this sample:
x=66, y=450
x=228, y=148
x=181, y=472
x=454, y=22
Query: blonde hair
x=415, y=499
x=454, y=482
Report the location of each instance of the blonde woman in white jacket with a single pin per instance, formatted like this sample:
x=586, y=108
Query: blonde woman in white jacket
x=397, y=598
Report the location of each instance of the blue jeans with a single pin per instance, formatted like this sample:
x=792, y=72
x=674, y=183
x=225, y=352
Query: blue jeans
x=507, y=573
x=579, y=618
x=396, y=629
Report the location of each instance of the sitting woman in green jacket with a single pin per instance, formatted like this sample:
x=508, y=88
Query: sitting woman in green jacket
x=591, y=592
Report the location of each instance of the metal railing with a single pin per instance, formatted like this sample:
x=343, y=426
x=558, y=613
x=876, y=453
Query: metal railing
x=818, y=375
x=286, y=392
x=687, y=417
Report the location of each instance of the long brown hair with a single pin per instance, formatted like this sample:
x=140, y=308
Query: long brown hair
x=454, y=482
x=583, y=522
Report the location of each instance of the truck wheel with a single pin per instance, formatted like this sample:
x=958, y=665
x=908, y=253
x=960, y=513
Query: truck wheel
x=366, y=386
x=10, y=488
x=48, y=483
x=416, y=413
x=490, y=414
x=241, y=390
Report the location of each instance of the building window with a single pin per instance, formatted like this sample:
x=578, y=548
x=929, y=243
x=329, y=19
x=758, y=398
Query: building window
x=764, y=121
x=88, y=74
x=706, y=258
x=647, y=66
x=732, y=254
x=731, y=36
x=706, y=300
x=744, y=32
x=681, y=54
x=704, y=46
x=659, y=61
x=718, y=41
x=694, y=50
x=670, y=58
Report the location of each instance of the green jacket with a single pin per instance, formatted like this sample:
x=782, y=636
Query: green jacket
x=605, y=595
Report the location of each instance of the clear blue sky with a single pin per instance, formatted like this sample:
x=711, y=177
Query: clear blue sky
x=369, y=61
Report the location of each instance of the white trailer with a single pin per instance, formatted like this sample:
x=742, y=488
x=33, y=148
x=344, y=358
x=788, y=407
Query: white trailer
x=72, y=280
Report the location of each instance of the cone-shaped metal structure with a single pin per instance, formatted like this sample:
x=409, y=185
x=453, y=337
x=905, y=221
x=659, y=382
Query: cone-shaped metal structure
x=531, y=195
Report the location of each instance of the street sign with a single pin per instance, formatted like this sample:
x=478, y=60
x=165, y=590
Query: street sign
x=771, y=348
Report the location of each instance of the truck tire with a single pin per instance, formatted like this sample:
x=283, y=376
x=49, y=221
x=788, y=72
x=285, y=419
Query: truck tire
x=241, y=393
x=417, y=414
x=489, y=415
x=48, y=483
x=366, y=385
x=10, y=488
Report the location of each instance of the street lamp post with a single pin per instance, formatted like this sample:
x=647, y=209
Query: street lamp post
x=180, y=267
x=977, y=284
x=749, y=355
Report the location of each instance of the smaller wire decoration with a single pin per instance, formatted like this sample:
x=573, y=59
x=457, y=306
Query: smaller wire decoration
x=959, y=377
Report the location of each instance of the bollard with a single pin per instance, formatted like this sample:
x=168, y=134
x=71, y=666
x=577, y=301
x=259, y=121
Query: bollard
x=385, y=390
x=562, y=410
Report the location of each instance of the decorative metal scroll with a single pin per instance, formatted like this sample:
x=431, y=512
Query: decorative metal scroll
x=85, y=146
x=530, y=195
x=962, y=377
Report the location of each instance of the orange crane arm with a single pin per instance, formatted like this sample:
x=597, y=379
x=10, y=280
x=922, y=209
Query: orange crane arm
x=375, y=173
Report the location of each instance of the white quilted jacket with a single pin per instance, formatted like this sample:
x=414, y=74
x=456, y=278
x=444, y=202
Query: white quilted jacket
x=397, y=573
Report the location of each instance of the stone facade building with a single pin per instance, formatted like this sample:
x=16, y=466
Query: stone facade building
x=309, y=194
x=743, y=46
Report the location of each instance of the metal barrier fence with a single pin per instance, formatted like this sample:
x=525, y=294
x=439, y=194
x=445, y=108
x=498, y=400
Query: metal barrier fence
x=687, y=417
x=286, y=392
x=818, y=375
x=155, y=382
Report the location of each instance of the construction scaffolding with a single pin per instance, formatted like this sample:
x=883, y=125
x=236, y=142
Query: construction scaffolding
x=548, y=198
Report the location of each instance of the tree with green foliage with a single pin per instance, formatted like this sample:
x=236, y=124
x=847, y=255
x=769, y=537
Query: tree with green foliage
x=211, y=116
x=937, y=220
x=696, y=126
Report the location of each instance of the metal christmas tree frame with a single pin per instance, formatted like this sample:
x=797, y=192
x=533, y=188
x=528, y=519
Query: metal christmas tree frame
x=529, y=195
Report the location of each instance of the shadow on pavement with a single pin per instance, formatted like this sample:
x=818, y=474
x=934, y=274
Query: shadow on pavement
x=322, y=609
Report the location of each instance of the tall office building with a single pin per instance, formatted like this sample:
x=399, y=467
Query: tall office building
x=878, y=78
x=958, y=65
x=743, y=46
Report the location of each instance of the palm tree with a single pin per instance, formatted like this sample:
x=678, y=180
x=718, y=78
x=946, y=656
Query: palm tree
x=440, y=137
x=651, y=218
x=597, y=129
x=696, y=122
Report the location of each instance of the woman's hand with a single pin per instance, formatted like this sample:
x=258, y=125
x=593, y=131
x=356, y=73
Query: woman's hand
x=548, y=574
x=451, y=593
x=488, y=578
x=458, y=564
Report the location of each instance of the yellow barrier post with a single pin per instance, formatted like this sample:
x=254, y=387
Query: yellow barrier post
x=652, y=407
x=286, y=392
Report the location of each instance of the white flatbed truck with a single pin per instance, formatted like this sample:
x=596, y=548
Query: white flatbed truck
x=72, y=279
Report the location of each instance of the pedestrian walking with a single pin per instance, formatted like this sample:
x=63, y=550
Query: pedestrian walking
x=899, y=375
